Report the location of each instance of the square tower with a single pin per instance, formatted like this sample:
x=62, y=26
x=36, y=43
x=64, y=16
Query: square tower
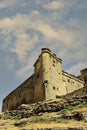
x=48, y=76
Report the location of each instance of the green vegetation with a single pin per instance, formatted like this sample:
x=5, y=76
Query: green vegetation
x=71, y=107
x=48, y=119
x=11, y=117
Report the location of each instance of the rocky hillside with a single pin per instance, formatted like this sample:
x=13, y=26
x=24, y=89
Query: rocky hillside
x=67, y=113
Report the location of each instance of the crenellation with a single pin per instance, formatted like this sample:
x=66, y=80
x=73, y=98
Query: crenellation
x=49, y=81
x=45, y=50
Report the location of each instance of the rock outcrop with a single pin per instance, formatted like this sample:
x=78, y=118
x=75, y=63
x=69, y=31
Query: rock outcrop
x=59, y=106
x=25, y=111
x=73, y=99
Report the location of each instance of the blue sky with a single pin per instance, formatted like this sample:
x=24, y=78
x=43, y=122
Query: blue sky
x=26, y=26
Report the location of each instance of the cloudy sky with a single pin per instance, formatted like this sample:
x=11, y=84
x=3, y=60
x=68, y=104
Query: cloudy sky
x=26, y=26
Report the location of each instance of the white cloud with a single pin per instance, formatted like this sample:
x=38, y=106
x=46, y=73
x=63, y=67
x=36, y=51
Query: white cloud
x=76, y=68
x=35, y=21
x=12, y=4
x=17, y=22
x=27, y=68
x=59, y=34
x=17, y=26
x=61, y=5
x=24, y=43
x=6, y=3
x=35, y=13
x=53, y=5
x=6, y=23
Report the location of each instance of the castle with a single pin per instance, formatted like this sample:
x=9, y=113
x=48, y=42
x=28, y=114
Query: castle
x=49, y=81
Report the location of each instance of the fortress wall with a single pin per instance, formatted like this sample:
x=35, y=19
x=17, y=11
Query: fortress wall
x=84, y=75
x=22, y=94
x=39, y=92
x=71, y=83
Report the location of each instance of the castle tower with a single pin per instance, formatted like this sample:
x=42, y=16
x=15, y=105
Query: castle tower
x=84, y=75
x=52, y=74
x=48, y=76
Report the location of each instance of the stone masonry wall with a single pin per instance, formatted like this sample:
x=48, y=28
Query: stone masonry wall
x=84, y=75
x=71, y=83
x=22, y=95
x=39, y=90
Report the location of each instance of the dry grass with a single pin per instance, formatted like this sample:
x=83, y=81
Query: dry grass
x=9, y=124
x=40, y=122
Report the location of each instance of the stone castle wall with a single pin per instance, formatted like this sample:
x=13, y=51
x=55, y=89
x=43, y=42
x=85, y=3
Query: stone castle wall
x=71, y=83
x=21, y=95
x=84, y=75
x=39, y=90
x=47, y=82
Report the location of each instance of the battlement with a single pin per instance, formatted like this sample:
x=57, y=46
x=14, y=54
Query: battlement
x=46, y=50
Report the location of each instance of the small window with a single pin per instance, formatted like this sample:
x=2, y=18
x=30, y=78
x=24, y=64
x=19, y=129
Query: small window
x=53, y=65
x=33, y=87
x=38, y=76
x=68, y=80
x=53, y=61
x=54, y=88
x=57, y=96
x=72, y=82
